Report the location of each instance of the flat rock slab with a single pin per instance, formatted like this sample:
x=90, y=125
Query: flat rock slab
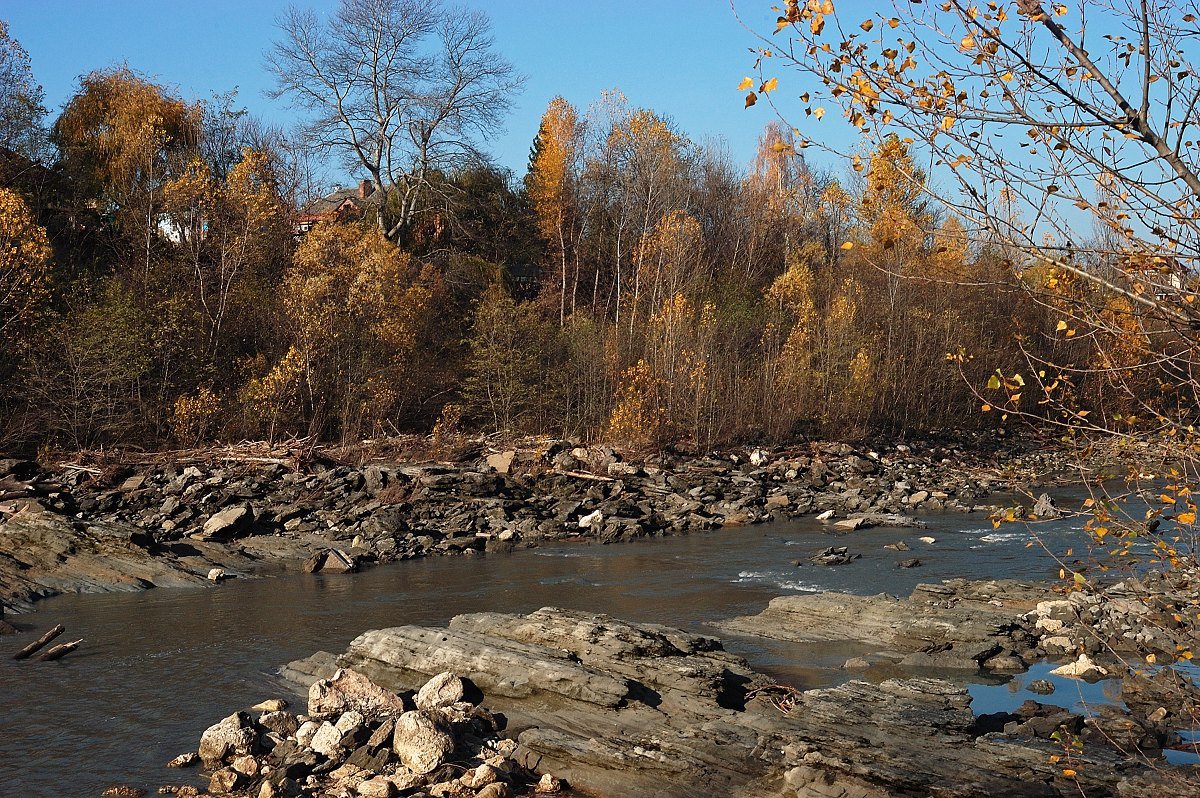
x=938, y=627
x=620, y=708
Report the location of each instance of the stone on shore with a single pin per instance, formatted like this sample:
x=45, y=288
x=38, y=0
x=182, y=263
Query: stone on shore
x=348, y=691
x=422, y=741
x=230, y=523
x=441, y=691
x=235, y=735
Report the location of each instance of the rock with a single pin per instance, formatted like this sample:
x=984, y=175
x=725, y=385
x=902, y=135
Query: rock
x=825, y=516
x=123, y=791
x=350, y=690
x=376, y=787
x=184, y=760
x=225, y=781
x=912, y=562
x=1045, y=508
x=898, y=546
x=233, y=736
x=270, y=705
x=305, y=732
x=834, y=555
x=230, y=522
x=442, y=690
x=1041, y=687
x=851, y=524
x=592, y=519
x=482, y=776
x=495, y=790
x=216, y=574
x=927, y=632
x=759, y=458
x=327, y=740
x=927, y=540
x=502, y=461
x=549, y=784
x=421, y=742
x=246, y=765
x=1082, y=668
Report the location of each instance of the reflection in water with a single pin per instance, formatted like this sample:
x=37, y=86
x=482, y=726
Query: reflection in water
x=160, y=666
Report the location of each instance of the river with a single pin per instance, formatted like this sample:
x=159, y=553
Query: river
x=161, y=665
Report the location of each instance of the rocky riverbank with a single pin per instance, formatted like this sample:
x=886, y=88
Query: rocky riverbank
x=122, y=524
x=617, y=709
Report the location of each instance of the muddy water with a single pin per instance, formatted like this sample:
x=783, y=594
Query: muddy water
x=161, y=665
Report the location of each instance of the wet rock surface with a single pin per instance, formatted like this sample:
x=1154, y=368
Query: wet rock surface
x=639, y=709
x=171, y=521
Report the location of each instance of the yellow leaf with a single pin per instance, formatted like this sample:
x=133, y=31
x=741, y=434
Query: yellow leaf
x=1062, y=325
x=770, y=85
x=867, y=25
x=745, y=84
x=1185, y=518
x=848, y=245
x=967, y=43
x=986, y=408
x=1068, y=773
x=818, y=112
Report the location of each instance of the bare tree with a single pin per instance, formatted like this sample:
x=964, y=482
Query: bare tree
x=401, y=88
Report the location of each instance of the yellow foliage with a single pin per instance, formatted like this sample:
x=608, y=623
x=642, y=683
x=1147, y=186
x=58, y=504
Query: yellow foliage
x=639, y=416
x=193, y=416
x=24, y=264
x=550, y=173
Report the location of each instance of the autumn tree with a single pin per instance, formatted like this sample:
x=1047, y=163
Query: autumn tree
x=505, y=372
x=550, y=185
x=356, y=308
x=1048, y=122
x=119, y=139
x=402, y=89
x=24, y=269
x=22, y=108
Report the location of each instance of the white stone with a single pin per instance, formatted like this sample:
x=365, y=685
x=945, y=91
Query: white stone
x=441, y=691
x=216, y=574
x=421, y=742
x=306, y=731
x=349, y=720
x=1049, y=624
x=326, y=740
x=927, y=539
x=1081, y=668
x=825, y=516
x=593, y=518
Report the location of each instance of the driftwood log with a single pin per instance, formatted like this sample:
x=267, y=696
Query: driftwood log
x=59, y=651
x=28, y=651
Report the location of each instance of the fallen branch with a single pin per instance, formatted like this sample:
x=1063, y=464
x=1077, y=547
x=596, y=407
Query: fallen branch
x=28, y=651
x=59, y=651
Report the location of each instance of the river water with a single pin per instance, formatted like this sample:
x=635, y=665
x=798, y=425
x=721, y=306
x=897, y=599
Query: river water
x=161, y=665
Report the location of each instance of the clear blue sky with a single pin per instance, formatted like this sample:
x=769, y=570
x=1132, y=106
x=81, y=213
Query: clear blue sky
x=683, y=58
